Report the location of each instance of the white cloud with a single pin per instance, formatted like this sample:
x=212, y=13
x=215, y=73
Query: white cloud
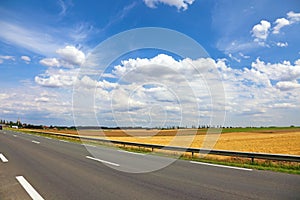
x=250, y=92
x=42, y=99
x=283, y=105
x=3, y=96
x=297, y=62
x=63, y=7
x=22, y=36
x=7, y=57
x=287, y=85
x=2, y=58
x=244, y=56
x=282, y=44
x=280, y=71
x=234, y=58
x=81, y=32
x=293, y=17
x=280, y=23
x=161, y=84
x=158, y=91
x=50, y=62
x=179, y=4
x=255, y=94
x=40, y=38
x=57, y=78
x=260, y=31
x=71, y=55
x=27, y=59
x=36, y=105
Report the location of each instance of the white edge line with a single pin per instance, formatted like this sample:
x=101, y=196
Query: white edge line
x=29, y=189
x=15, y=135
x=36, y=142
x=64, y=141
x=224, y=166
x=131, y=152
x=103, y=161
x=2, y=157
x=89, y=145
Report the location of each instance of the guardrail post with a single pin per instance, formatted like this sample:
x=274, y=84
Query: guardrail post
x=252, y=160
x=192, y=154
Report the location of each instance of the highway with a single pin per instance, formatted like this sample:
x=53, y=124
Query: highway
x=34, y=167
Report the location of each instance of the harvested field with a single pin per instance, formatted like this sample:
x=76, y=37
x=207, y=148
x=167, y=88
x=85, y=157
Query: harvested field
x=281, y=141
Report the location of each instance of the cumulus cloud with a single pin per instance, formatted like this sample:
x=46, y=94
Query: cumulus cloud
x=284, y=71
x=280, y=23
x=159, y=91
x=37, y=105
x=155, y=91
x=69, y=56
x=260, y=31
x=179, y=4
x=3, y=96
x=293, y=17
x=251, y=92
x=57, y=78
x=287, y=85
x=258, y=91
x=42, y=99
x=50, y=62
x=27, y=59
x=282, y=44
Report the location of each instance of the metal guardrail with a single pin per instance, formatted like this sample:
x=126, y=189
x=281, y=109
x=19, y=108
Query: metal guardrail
x=275, y=157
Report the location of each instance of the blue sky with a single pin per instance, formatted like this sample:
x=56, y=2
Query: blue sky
x=254, y=45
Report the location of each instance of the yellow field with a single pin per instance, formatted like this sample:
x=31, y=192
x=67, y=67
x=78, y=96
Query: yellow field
x=281, y=141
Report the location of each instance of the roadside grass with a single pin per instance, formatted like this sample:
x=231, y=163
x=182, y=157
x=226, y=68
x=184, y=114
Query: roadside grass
x=277, y=166
x=258, y=164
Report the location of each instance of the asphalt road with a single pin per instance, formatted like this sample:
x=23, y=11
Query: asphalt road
x=34, y=167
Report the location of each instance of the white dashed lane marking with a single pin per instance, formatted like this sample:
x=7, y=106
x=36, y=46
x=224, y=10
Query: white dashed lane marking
x=103, y=161
x=134, y=153
x=223, y=166
x=3, y=158
x=29, y=189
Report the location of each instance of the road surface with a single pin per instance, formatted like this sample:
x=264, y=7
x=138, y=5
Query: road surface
x=33, y=167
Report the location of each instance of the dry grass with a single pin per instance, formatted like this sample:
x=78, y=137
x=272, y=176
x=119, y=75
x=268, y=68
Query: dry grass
x=278, y=141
